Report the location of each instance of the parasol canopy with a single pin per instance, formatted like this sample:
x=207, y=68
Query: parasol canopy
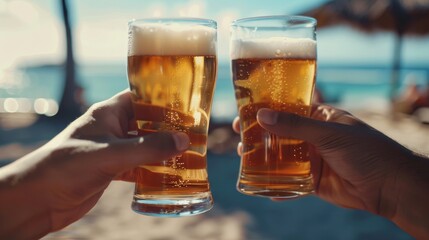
x=402, y=17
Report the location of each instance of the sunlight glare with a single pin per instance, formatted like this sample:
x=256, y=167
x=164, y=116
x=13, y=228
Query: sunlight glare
x=3, y=6
x=10, y=105
x=52, y=108
x=41, y=106
x=192, y=10
x=157, y=13
x=24, y=10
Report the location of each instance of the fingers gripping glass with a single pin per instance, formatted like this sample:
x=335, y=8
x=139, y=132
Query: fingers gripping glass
x=172, y=67
x=273, y=66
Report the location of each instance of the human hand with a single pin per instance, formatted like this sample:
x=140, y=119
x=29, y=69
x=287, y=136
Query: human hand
x=356, y=166
x=61, y=181
x=353, y=165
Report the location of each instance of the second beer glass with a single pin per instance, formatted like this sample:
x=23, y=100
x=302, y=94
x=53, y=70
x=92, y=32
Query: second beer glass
x=172, y=68
x=273, y=66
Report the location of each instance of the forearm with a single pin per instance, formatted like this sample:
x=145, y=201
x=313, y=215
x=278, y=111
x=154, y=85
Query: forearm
x=22, y=211
x=412, y=198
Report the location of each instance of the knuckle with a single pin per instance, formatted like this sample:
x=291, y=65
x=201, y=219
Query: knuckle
x=97, y=110
x=340, y=137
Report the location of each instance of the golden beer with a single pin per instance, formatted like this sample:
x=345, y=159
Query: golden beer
x=280, y=84
x=172, y=91
x=277, y=73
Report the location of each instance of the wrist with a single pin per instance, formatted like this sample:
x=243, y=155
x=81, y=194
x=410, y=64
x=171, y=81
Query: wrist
x=410, y=198
x=24, y=214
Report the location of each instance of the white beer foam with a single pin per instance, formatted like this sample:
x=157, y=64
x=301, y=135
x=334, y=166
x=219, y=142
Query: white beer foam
x=171, y=39
x=275, y=47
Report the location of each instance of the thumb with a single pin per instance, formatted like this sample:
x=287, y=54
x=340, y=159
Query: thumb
x=294, y=126
x=125, y=154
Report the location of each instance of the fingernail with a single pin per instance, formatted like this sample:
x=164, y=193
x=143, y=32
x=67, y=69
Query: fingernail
x=181, y=140
x=267, y=116
x=240, y=149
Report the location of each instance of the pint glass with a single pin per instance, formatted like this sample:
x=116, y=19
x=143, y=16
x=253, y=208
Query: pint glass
x=273, y=66
x=172, y=67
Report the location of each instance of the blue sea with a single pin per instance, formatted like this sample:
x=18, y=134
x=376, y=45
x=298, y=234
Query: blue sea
x=353, y=86
x=306, y=218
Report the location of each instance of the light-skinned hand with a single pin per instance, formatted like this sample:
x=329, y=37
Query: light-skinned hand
x=58, y=183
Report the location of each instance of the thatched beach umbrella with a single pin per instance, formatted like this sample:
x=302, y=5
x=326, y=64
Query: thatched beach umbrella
x=409, y=17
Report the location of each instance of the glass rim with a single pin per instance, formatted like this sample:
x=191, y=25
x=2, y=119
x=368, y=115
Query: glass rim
x=290, y=21
x=197, y=21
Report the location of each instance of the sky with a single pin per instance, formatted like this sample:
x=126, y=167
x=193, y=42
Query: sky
x=32, y=32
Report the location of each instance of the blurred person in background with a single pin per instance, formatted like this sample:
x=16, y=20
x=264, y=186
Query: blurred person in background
x=413, y=97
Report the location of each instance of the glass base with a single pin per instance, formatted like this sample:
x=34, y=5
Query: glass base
x=172, y=206
x=283, y=187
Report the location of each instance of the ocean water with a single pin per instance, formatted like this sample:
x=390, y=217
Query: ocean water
x=346, y=86
x=366, y=87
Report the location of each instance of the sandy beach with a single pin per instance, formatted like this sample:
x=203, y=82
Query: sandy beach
x=234, y=216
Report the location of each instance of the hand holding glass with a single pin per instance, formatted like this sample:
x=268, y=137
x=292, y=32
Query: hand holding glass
x=172, y=68
x=273, y=66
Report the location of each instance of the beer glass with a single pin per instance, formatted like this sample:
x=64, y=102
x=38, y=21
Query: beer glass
x=172, y=67
x=273, y=66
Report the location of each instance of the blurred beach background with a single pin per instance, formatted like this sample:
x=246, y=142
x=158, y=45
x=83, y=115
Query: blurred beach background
x=354, y=73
